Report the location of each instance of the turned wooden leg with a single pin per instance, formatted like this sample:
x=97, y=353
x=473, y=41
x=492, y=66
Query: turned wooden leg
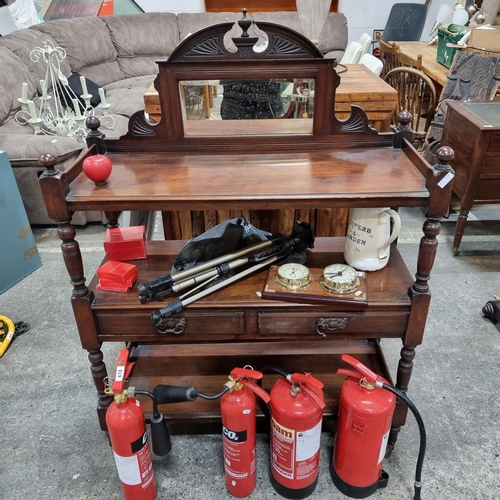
x=460, y=228
x=405, y=368
x=99, y=373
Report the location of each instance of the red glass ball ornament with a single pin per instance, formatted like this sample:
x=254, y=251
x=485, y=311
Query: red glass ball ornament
x=97, y=168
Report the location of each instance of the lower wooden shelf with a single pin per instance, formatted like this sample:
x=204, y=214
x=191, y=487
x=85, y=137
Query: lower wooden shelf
x=207, y=366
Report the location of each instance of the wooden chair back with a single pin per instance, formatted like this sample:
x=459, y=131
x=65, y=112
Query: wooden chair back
x=409, y=62
x=416, y=94
x=388, y=56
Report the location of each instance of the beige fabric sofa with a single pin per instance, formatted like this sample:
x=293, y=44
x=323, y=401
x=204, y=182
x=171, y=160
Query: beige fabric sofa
x=118, y=53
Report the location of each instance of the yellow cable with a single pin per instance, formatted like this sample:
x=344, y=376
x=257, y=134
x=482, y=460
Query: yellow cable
x=10, y=334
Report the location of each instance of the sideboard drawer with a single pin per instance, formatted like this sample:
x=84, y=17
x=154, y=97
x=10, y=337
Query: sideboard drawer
x=324, y=324
x=186, y=326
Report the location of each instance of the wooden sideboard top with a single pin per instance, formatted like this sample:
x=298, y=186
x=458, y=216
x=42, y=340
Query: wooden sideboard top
x=323, y=179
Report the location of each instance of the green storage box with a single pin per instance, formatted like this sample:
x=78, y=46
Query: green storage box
x=450, y=33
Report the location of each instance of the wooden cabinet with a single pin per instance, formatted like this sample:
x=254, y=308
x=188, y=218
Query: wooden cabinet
x=337, y=165
x=473, y=131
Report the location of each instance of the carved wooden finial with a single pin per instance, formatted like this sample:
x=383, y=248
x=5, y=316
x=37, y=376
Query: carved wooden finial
x=244, y=23
x=48, y=161
x=93, y=123
x=403, y=130
x=404, y=118
x=95, y=136
x=444, y=155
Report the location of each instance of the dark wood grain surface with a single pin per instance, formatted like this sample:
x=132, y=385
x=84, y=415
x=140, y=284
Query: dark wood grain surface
x=325, y=179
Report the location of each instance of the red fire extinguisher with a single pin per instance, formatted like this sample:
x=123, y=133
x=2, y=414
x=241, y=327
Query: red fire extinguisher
x=238, y=430
x=129, y=438
x=296, y=407
x=364, y=422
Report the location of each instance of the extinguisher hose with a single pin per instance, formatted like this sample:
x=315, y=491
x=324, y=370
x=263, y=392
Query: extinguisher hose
x=156, y=411
x=263, y=406
x=423, y=437
x=275, y=369
x=205, y=396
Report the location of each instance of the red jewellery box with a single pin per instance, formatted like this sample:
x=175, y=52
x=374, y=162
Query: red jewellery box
x=118, y=272
x=125, y=243
x=116, y=276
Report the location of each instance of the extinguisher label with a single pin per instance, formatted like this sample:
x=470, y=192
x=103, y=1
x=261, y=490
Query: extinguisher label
x=234, y=454
x=128, y=469
x=139, y=443
x=308, y=442
x=137, y=468
x=235, y=437
x=383, y=446
x=282, y=449
x=295, y=454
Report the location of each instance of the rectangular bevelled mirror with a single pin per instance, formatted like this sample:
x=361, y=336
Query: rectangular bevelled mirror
x=247, y=106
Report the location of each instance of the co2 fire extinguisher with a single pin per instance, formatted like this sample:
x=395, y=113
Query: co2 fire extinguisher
x=367, y=404
x=238, y=408
x=129, y=437
x=296, y=409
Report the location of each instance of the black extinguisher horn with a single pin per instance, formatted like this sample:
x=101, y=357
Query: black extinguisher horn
x=160, y=436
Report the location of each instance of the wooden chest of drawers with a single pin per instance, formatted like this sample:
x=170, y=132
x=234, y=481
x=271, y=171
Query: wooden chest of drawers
x=473, y=131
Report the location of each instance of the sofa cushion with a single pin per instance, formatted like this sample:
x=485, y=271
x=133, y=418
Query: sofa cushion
x=88, y=45
x=22, y=42
x=27, y=148
x=127, y=97
x=141, y=40
x=13, y=74
x=334, y=34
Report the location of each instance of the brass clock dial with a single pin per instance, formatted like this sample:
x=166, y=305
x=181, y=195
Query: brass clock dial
x=293, y=276
x=339, y=278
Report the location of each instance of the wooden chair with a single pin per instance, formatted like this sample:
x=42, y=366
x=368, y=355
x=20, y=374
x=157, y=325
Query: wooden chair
x=389, y=56
x=416, y=94
x=409, y=62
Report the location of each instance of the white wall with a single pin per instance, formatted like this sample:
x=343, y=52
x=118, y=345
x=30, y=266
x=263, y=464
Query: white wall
x=363, y=16
x=172, y=5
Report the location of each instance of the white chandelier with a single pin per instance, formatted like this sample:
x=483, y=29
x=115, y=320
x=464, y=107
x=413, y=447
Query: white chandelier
x=52, y=117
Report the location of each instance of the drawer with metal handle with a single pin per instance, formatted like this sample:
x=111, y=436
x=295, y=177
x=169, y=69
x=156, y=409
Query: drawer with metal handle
x=324, y=324
x=186, y=326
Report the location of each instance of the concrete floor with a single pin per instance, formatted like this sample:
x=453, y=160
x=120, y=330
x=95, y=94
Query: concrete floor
x=52, y=448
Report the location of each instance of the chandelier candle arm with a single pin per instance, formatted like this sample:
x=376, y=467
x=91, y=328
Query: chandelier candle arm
x=44, y=89
x=102, y=96
x=31, y=107
x=24, y=94
x=76, y=105
x=84, y=86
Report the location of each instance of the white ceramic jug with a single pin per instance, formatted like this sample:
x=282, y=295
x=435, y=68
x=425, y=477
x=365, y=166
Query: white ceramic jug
x=369, y=236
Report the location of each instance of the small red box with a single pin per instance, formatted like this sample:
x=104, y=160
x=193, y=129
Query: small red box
x=125, y=243
x=112, y=286
x=118, y=272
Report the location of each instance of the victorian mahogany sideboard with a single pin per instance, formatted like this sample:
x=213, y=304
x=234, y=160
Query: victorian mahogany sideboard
x=295, y=165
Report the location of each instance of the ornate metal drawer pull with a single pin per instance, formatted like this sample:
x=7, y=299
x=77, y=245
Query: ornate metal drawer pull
x=330, y=324
x=175, y=326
